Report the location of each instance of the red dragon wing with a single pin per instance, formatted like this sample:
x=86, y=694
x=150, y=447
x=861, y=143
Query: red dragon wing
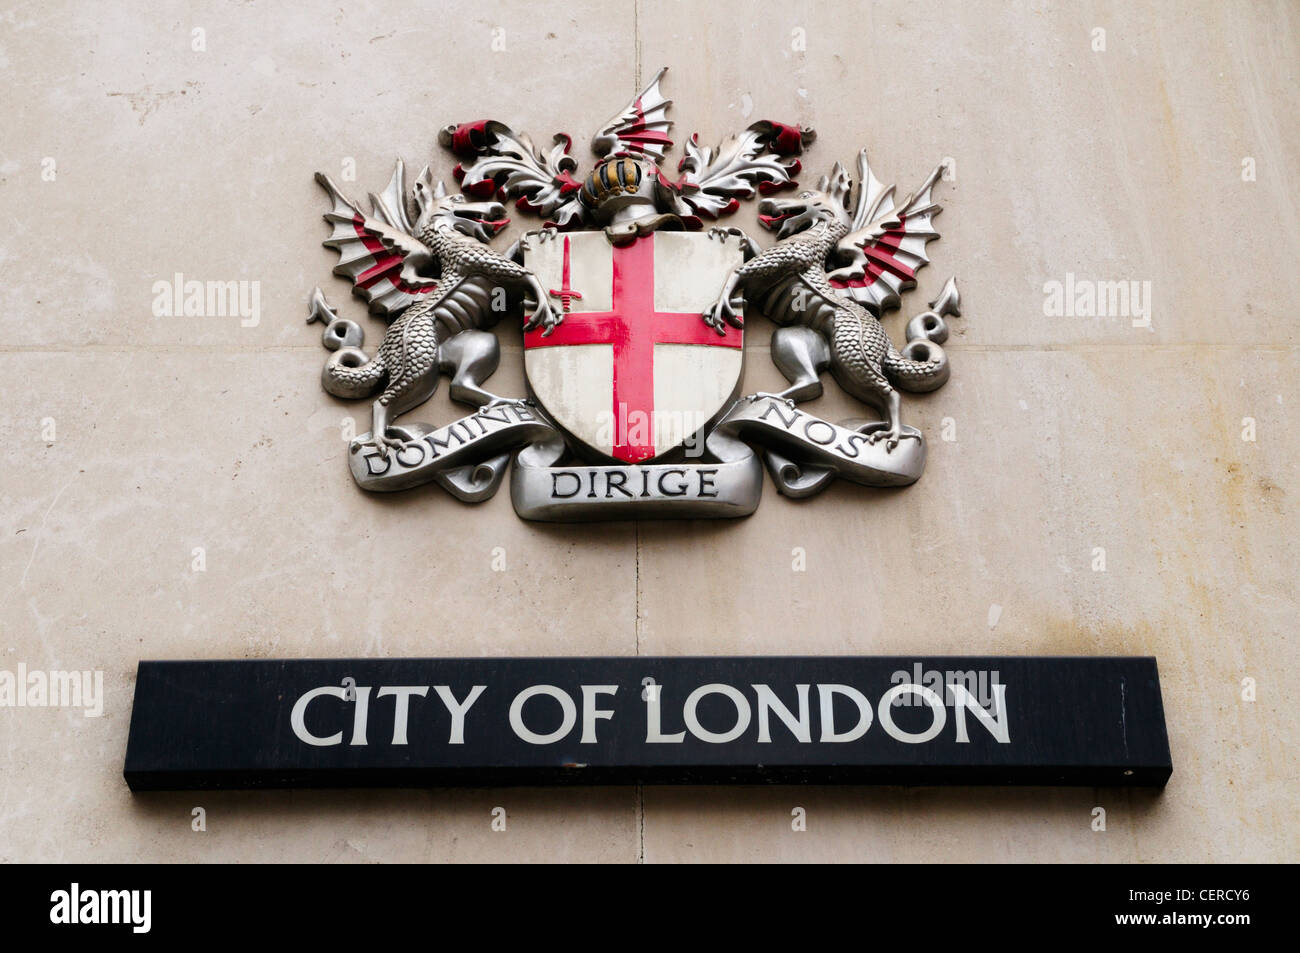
x=640, y=128
x=881, y=256
x=377, y=252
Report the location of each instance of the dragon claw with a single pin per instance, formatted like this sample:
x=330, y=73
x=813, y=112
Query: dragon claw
x=892, y=437
x=505, y=402
x=722, y=314
x=760, y=395
x=543, y=235
x=386, y=444
x=722, y=234
x=543, y=317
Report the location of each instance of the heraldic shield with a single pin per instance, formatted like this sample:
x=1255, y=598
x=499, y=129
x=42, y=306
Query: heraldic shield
x=632, y=372
x=633, y=380
x=633, y=304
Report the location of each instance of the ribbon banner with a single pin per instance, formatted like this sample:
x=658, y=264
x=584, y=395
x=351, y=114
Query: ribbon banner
x=729, y=486
x=805, y=453
x=468, y=458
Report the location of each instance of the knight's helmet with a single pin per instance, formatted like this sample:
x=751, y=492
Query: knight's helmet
x=615, y=185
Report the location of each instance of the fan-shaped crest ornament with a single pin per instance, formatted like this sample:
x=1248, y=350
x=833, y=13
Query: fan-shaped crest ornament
x=633, y=306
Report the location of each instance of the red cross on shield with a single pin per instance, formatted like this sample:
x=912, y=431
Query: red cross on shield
x=633, y=371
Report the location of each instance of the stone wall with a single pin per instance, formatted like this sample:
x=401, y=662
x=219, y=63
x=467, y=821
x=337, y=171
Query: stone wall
x=138, y=447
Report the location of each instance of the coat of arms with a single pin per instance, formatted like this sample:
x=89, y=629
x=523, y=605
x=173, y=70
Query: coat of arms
x=633, y=305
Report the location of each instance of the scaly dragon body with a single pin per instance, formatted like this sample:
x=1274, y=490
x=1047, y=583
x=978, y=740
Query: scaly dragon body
x=407, y=362
x=440, y=325
x=790, y=285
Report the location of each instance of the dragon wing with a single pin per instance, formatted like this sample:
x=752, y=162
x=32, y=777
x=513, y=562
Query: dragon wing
x=886, y=247
x=503, y=160
x=640, y=128
x=713, y=180
x=378, y=251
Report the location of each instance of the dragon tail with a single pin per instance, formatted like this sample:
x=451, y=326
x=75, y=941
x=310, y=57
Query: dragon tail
x=921, y=366
x=349, y=372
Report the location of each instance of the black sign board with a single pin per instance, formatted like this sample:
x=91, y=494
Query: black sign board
x=502, y=721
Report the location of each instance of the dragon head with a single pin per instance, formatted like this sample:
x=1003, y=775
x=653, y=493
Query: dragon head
x=439, y=210
x=826, y=203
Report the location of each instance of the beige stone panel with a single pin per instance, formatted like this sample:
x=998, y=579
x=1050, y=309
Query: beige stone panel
x=897, y=825
x=1136, y=451
x=244, y=456
x=158, y=451
x=170, y=160
x=98, y=820
x=1118, y=165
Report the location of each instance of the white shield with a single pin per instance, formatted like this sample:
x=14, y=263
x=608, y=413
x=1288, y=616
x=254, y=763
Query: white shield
x=633, y=371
